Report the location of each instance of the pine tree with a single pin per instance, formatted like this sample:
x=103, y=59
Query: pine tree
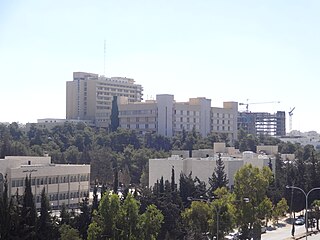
x=114, y=115
x=45, y=227
x=219, y=177
x=64, y=215
x=173, y=184
x=95, y=203
x=84, y=218
x=5, y=208
x=28, y=214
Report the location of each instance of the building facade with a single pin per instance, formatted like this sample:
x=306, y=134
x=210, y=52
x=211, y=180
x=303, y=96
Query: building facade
x=89, y=96
x=63, y=183
x=273, y=124
x=167, y=117
x=203, y=162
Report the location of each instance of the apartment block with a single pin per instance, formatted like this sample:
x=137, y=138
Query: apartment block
x=167, y=117
x=89, y=96
x=63, y=183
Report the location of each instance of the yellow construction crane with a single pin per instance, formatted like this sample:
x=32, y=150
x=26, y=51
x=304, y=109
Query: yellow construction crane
x=247, y=104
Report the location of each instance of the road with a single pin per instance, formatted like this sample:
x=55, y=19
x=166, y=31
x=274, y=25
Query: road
x=284, y=233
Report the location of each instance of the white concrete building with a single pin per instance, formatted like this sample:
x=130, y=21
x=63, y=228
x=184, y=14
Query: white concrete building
x=303, y=138
x=203, y=162
x=63, y=183
x=167, y=117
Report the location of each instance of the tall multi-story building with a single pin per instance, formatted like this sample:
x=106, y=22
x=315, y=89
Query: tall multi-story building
x=63, y=183
x=263, y=123
x=89, y=96
x=167, y=117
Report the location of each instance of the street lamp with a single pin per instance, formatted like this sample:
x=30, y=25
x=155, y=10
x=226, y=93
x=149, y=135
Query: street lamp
x=306, y=195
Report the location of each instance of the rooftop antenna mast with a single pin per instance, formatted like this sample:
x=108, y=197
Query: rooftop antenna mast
x=104, y=58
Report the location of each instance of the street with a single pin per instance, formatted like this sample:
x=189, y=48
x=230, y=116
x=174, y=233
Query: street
x=284, y=233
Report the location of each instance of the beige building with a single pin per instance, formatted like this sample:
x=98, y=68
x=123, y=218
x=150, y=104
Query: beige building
x=167, y=117
x=63, y=183
x=50, y=123
x=203, y=162
x=89, y=96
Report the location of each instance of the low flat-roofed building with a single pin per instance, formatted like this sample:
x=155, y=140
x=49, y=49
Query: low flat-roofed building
x=63, y=183
x=202, y=163
x=50, y=123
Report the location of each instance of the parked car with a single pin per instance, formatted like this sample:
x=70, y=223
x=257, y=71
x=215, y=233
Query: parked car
x=263, y=229
x=299, y=221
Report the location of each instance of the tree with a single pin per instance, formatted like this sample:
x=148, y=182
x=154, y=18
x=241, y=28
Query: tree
x=279, y=210
x=95, y=203
x=196, y=218
x=109, y=209
x=5, y=211
x=64, y=215
x=45, y=227
x=129, y=215
x=114, y=115
x=219, y=176
x=84, y=218
x=94, y=231
x=251, y=182
x=68, y=233
x=150, y=223
x=28, y=214
x=222, y=209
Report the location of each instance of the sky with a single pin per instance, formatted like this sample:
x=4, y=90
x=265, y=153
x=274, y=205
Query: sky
x=245, y=51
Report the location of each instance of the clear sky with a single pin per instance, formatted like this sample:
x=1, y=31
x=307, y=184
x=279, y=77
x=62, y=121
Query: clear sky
x=223, y=50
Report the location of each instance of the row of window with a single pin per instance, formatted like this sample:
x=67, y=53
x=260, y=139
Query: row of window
x=221, y=121
x=63, y=196
x=181, y=119
x=223, y=115
x=50, y=180
x=187, y=112
x=137, y=112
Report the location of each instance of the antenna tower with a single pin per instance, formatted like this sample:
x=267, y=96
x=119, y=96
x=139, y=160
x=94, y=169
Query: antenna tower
x=104, y=58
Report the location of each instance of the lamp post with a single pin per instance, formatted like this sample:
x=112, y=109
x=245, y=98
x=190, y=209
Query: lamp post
x=306, y=195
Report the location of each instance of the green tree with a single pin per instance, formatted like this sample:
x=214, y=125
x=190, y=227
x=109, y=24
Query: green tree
x=222, y=209
x=28, y=213
x=5, y=211
x=219, y=176
x=68, y=233
x=150, y=223
x=251, y=182
x=64, y=215
x=130, y=218
x=279, y=210
x=197, y=218
x=45, y=226
x=94, y=231
x=109, y=209
x=84, y=218
x=114, y=115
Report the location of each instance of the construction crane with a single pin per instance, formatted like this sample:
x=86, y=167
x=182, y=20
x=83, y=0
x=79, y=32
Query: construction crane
x=290, y=118
x=247, y=104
